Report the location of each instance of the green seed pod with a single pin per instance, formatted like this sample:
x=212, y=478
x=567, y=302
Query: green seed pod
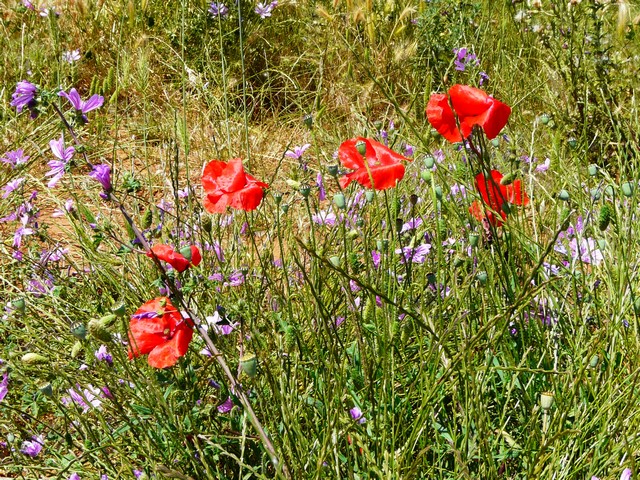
x=340, y=201
x=425, y=175
x=79, y=331
x=593, y=363
x=604, y=218
x=332, y=170
x=249, y=364
x=573, y=143
x=593, y=170
x=308, y=120
x=508, y=179
x=596, y=194
x=482, y=277
x=75, y=350
x=369, y=195
x=495, y=142
x=98, y=328
x=627, y=189
x=19, y=305
x=119, y=309
x=360, y=222
x=335, y=261
x=285, y=207
x=305, y=190
x=429, y=162
x=473, y=239
x=33, y=358
x=353, y=233
x=563, y=195
x=147, y=219
x=361, y=147
x=438, y=191
x=546, y=400
x=544, y=119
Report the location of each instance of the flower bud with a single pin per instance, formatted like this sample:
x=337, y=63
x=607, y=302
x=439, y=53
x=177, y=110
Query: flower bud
x=305, y=190
x=361, y=147
x=482, y=277
x=186, y=253
x=425, y=175
x=473, y=239
x=75, y=350
x=340, y=201
x=604, y=218
x=335, y=261
x=369, y=195
x=627, y=189
x=293, y=183
x=429, y=162
x=593, y=363
x=99, y=327
x=438, y=191
x=332, y=170
x=307, y=120
x=79, y=331
x=33, y=358
x=120, y=309
x=546, y=400
x=508, y=179
x=596, y=194
x=353, y=233
x=19, y=305
x=46, y=389
x=563, y=195
x=593, y=170
x=249, y=364
x=495, y=142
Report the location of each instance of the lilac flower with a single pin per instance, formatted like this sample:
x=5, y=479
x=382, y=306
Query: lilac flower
x=414, y=254
x=184, y=193
x=54, y=255
x=104, y=477
x=74, y=476
x=409, y=150
x=28, y=4
x=264, y=10
x=12, y=186
x=543, y=167
x=322, y=193
x=25, y=96
x=212, y=383
x=376, y=257
x=356, y=414
x=339, y=321
x=164, y=206
x=103, y=355
x=21, y=231
x=226, y=407
x=102, y=173
x=4, y=386
x=457, y=189
x=138, y=473
x=95, y=101
x=586, y=250
x=15, y=158
x=384, y=135
x=58, y=167
x=217, y=248
x=218, y=10
x=483, y=78
x=220, y=324
x=236, y=278
x=86, y=398
x=71, y=56
x=216, y=277
x=32, y=447
x=626, y=474
x=106, y=393
x=412, y=224
x=324, y=217
x=69, y=207
x=298, y=151
x=464, y=58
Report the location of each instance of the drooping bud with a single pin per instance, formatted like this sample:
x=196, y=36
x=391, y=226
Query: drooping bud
x=369, y=195
x=425, y=175
x=335, y=261
x=46, y=389
x=75, y=350
x=293, y=183
x=207, y=224
x=79, y=331
x=429, y=162
x=438, y=191
x=563, y=195
x=593, y=170
x=119, y=309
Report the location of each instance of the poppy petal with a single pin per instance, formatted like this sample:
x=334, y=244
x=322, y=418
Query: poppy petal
x=167, y=354
x=475, y=107
x=383, y=176
x=169, y=255
x=211, y=172
x=349, y=155
x=441, y=117
x=516, y=194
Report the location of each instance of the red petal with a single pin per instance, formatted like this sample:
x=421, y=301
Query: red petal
x=441, y=117
x=516, y=194
x=246, y=199
x=349, y=155
x=146, y=333
x=384, y=176
x=169, y=255
x=475, y=107
x=210, y=174
x=490, y=190
x=213, y=204
x=196, y=257
x=232, y=177
x=384, y=155
x=167, y=354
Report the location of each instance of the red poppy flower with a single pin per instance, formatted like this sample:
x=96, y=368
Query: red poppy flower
x=473, y=107
x=158, y=329
x=227, y=185
x=176, y=259
x=383, y=168
x=494, y=195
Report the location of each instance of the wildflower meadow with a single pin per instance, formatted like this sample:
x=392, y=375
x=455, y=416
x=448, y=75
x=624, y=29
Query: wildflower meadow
x=390, y=239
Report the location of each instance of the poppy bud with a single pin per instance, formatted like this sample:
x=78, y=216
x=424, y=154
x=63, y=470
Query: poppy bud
x=508, y=179
x=332, y=170
x=546, y=400
x=544, y=119
x=399, y=223
x=438, y=192
x=573, y=143
x=285, y=207
x=413, y=199
x=79, y=331
x=33, y=358
x=277, y=196
x=369, y=194
x=425, y=175
x=340, y=201
x=593, y=363
x=596, y=194
x=186, y=253
x=207, y=224
x=98, y=327
x=563, y=195
x=75, y=350
x=473, y=239
x=353, y=233
x=249, y=364
x=482, y=277
x=46, y=389
x=602, y=243
x=305, y=191
x=361, y=147
x=119, y=309
x=429, y=162
x=19, y=305
x=604, y=218
x=147, y=219
x=627, y=189
x=308, y=120
x=593, y=170
x=609, y=191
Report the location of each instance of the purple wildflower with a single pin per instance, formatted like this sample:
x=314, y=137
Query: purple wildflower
x=218, y=10
x=543, y=167
x=264, y=10
x=217, y=248
x=28, y=4
x=58, y=167
x=32, y=447
x=464, y=58
x=69, y=207
x=4, y=386
x=138, y=473
x=409, y=150
x=484, y=78
x=220, y=324
x=298, y=151
x=414, y=254
x=626, y=474
x=236, y=278
x=95, y=101
x=214, y=384
x=339, y=321
x=324, y=217
x=21, y=231
x=71, y=56
x=12, y=186
x=15, y=158
x=226, y=407
x=458, y=189
x=86, y=398
x=103, y=355
x=322, y=193
x=74, y=476
x=376, y=257
x=25, y=96
x=216, y=277
x=356, y=414
x=102, y=173
x=412, y=224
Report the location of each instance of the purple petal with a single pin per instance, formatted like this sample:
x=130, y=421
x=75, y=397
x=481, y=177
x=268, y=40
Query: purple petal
x=95, y=101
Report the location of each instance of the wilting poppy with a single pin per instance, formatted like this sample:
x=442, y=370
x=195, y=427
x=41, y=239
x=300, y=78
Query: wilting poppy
x=227, y=185
x=472, y=106
x=494, y=195
x=158, y=329
x=178, y=260
x=383, y=167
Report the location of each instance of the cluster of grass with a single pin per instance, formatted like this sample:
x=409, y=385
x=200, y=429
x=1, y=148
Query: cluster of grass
x=505, y=352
